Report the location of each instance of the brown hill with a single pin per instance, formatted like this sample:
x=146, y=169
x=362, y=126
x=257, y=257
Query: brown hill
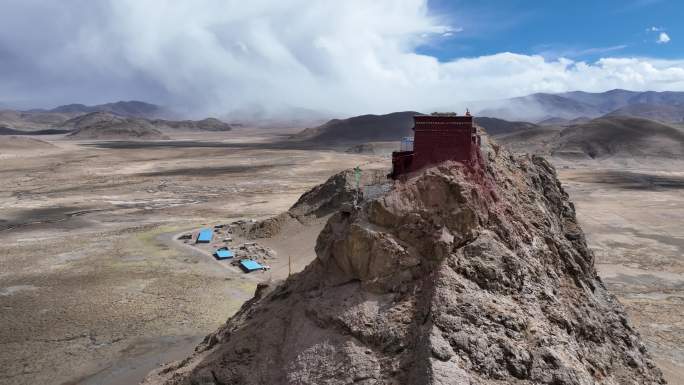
x=103, y=125
x=540, y=140
x=621, y=137
x=495, y=126
x=452, y=277
x=364, y=128
x=614, y=136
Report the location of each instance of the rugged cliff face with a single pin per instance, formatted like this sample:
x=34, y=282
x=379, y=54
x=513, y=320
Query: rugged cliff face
x=454, y=276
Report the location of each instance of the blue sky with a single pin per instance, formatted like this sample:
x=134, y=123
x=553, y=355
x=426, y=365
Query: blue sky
x=580, y=30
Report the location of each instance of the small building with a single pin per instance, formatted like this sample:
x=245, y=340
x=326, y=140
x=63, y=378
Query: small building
x=248, y=265
x=205, y=236
x=437, y=138
x=223, y=253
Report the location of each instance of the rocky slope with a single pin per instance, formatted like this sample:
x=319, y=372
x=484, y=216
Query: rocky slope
x=453, y=276
x=618, y=136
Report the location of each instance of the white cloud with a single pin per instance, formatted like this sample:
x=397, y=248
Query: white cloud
x=663, y=38
x=654, y=29
x=216, y=56
x=451, y=31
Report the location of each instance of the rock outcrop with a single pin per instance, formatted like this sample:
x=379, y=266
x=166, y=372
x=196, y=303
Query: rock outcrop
x=338, y=191
x=453, y=276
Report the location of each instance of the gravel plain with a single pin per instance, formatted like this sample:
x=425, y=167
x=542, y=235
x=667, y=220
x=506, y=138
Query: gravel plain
x=94, y=289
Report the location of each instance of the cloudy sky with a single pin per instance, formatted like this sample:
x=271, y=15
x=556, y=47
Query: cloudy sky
x=343, y=57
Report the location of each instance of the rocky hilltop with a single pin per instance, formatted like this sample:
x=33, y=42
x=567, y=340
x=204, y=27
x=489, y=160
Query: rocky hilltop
x=453, y=276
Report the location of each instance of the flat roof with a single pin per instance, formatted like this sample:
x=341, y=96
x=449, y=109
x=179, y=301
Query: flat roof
x=224, y=253
x=205, y=235
x=422, y=119
x=249, y=265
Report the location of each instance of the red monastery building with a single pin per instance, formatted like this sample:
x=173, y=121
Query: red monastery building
x=437, y=138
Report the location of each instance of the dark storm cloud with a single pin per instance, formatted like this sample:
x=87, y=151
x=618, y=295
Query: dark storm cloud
x=48, y=55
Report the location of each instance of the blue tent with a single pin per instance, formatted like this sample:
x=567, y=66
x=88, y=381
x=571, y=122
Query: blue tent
x=249, y=266
x=205, y=236
x=223, y=254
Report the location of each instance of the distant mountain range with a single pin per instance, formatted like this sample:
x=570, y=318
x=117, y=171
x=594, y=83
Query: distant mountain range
x=363, y=128
x=605, y=137
x=105, y=125
x=662, y=106
x=131, y=108
x=388, y=127
x=613, y=135
x=41, y=119
x=119, y=120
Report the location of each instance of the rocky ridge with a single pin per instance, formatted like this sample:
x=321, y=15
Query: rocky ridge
x=321, y=201
x=453, y=276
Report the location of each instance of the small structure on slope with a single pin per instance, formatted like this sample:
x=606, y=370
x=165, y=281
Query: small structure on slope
x=204, y=236
x=223, y=253
x=248, y=265
x=437, y=138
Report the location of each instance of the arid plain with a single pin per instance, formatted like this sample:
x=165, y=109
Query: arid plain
x=94, y=289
